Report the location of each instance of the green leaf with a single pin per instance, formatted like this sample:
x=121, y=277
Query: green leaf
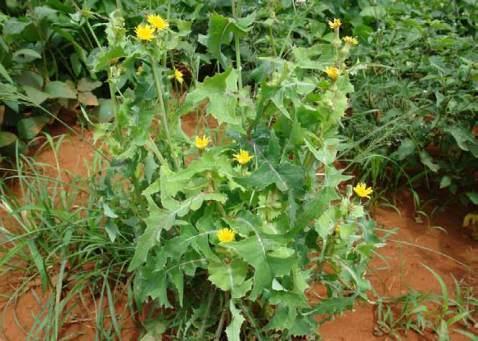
x=86, y=85
x=57, y=89
x=151, y=236
x=427, y=160
x=7, y=138
x=376, y=12
x=230, y=276
x=25, y=56
x=221, y=93
x=473, y=196
x=14, y=26
x=233, y=330
x=219, y=33
x=108, y=212
x=465, y=139
x=445, y=181
x=39, y=263
x=36, y=96
x=221, y=30
x=285, y=176
x=105, y=110
x=407, y=148
x=30, y=127
x=4, y=73
x=326, y=223
x=333, y=305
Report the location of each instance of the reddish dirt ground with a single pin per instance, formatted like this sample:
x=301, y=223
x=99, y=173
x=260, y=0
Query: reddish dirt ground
x=449, y=252
x=399, y=267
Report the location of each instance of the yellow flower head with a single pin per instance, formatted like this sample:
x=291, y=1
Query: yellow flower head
x=226, y=235
x=157, y=22
x=362, y=190
x=335, y=24
x=332, y=72
x=201, y=142
x=470, y=220
x=178, y=75
x=145, y=32
x=350, y=41
x=243, y=157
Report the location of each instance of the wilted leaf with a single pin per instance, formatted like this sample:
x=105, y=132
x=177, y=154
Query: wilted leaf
x=87, y=98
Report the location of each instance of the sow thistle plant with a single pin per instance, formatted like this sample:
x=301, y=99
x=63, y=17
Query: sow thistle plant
x=231, y=226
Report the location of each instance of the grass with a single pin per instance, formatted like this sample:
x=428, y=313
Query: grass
x=421, y=312
x=56, y=240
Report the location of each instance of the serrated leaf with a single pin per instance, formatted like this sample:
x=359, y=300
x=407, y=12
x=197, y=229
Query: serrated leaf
x=233, y=330
x=221, y=93
x=333, y=305
x=285, y=176
x=230, y=276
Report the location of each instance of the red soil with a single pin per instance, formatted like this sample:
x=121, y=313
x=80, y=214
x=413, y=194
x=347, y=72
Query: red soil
x=399, y=268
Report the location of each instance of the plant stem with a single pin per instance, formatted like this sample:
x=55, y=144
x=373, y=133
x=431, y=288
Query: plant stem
x=162, y=108
x=246, y=312
x=220, y=326
x=235, y=7
x=206, y=313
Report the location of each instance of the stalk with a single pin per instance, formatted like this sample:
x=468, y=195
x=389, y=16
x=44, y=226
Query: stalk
x=222, y=321
x=208, y=309
x=237, y=43
x=162, y=108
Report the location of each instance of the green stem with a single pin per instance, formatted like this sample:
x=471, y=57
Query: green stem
x=112, y=91
x=162, y=108
x=206, y=314
x=273, y=45
x=235, y=7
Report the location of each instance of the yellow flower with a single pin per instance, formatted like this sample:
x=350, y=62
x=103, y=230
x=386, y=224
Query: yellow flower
x=157, y=22
x=362, y=190
x=243, y=157
x=470, y=220
x=350, y=41
x=178, y=75
x=201, y=142
x=335, y=24
x=226, y=235
x=145, y=32
x=332, y=72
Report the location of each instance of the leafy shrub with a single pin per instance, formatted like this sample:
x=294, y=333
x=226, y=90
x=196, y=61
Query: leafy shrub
x=229, y=222
x=414, y=111
x=43, y=67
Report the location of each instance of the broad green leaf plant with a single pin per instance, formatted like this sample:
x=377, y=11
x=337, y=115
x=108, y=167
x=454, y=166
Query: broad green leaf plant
x=233, y=222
